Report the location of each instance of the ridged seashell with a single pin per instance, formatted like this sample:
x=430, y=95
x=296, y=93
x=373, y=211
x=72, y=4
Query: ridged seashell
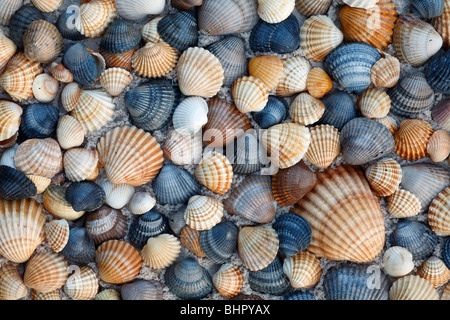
x=310, y=7
x=249, y=94
x=18, y=76
x=137, y=10
x=115, y=80
x=7, y=158
x=85, y=195
x=95, y=16
x=121, y=36
x=185, y=4
x=318, y=83
x=42, y=42
x=154, y=60
x=5, y=144
x=397, y=261
x=190, y=239
x=441, y=24
x=415, y=41
x=354, y=283
x=174, y=185
x=227, y=17
x=82, y=285
x=343, y=69
x=80, y=248
x=81, y=164
x=403, y=204
x=438, y=73
x=203, y=212
x=412, y=288
x=366, y=4
x=179, y=29
x=19, y=22
x=118, y=60
x=66, y=23
x=319, y=36
x=246, y=154
x=149, y=31
x=108, y=294
x=411, y=139
x=282, y=37
x=8, y=9
x=427, y=9
x=274, y=11
x=434, y=270
x=294, y=233
x=11, y=284
x=270, y=280
x=257, y=246
x=161, y=251
x=15, y=185
x=130, y=155
x=364, y=140
x=39, y=121
x=41, y=183
x=374, y=103
x=269, y=69
x=183, y=150
x=295, y=75
x=200, y=73
x=118, y=262
x=117, y=195
x=151, y=105
x=343, y=192
x=385, y=72
x=303, y=269
x=374, y=26
x=148, y=225
x=141, y=202
x=106, y=224
x=57, y=234
x=45, y=88
x=389, y=122
x=142, y=290
x=446, y=293
x=8, y=49
x=441, y=114
x=275, y=111
x=47, y=5
x=69, y=132
x=384, y=176
x=82, y=64
x=215, y=172
x=228, y=280
x=280, y=139
x=438, y=146
x=446, y=252
x=305, y=109
x=190, y=115
x=70, y=96
x=220, y=242
x=188, y=280
x=339, y=109
x=253, y=200
x=56, y=204
x=10, y=119
x=438, y=213
x=45, y=272
x=324, y=147
x=300, y=295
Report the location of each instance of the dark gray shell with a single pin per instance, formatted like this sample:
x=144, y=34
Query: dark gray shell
x=273, y=113
x=220, y=242
x=121, y=36
x=146, y=226
x=179, y=29
x=106, y=224
x=300, y=295
x=81, y=64
x=66, y=25
x=244, y=154
x=427, y=9
x=339, y=109
x=39, y=121
x=80, y=248
x=446, y=253
x=142, y=290
x=270, y=280
x=438, y=73
x=85, y=196
x=14, y=185
x=294, y=233
x=20, y=21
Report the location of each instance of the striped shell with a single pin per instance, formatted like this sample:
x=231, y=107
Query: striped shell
x=56, y=204
x=57, y=234
x=7, y=10
x=142, y=290
x=365, y=4
x=190, y=239
x=385, y=72
x=412, y=288
x=275, y=11
x=441, y=114
x=10, y=119
x=82, y=285
x=60, y=73
x=438, y=146
x=42, y=42
x=303, y=270
x=439, y=213
x=228, y=280
x=108, y=294
x=141, y=202
x=318, y=83
x=411, y=139
x=384, y=176
x=95, y=17
x=403, y=204
x=310, y=7
x=305, y=109
x=182, y=149
x=249, y=94
x=161, y=251
x=138, y=9
x=8, y=49
x=203, y=212
x=324, y=147
x=397, y=261
x=118, y=60
x=154, y=60
x=442, y=25
x=81, y=164
x=41, y=183
x=269, y=69
x=115, y=80
x=11, y=283
x=374, y=103
x=47, y=5
x=389, y=122
x=106, y=224
x=215, y=172
x=69, y=133
x=149, y=31
x=117, y=195
x=434, y=270
x=45, y=272
x=294, y=77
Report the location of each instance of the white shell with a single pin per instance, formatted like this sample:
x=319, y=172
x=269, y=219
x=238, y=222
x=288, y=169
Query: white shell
x=45, y=88
x=117, y=195
x=141, y=202
x=190, y=115
x=398, y=261
x=139, y=9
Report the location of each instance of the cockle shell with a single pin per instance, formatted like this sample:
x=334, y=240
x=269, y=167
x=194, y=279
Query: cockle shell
x=220, y=242
x=15, y=185
x=215, y=172
x=442, y=25
x=303, y=270
x=310, y=7
x=182, y=149
x=385, y=72
x=117, y=195
x=293, y=232
x=108, y=294
x=39, y=121
x=57, y=234
x=305, y=109
x=69, y=133
x=161, y=251
x=249, y=94
x=154, y=60
x=190, y=239
x=95, y=16
x=11, y=284
x=45, y=272
x=246, y=154
x=397, y=261
x=339, y=109
x=438, y=73
x=270, y=280
x=384, y=176
x=8, y=49
x=295, y=75
x=45, y=88
x=42, y=42
x=228, y=280
x=269, y=69
x=324, y=147
x=81, y=164
x=434, y=270
x=275, y=111
x=203, y=212
x=137, y=10
x=84, y=64
x=20, y=20
x=47, y=5
x=179, y=29
x=441, y=114
x=56, y=204
x=10, y=119
x=275, y=11
x=318, y=83
x=374, y=103
x=427, y=9
x=148, y=225
x=141, y=202
x=412, y=288
x=121, y=36
x=190, y=115
x=439, y=213
x=80, y=248
x=106, y=224
x=8, y=9
x=403, y=204
x=82, y=285
x=60, y=73
x=118, y=60
x=446, y=293
x=300, y=295
x=115, y=80
x=366, y=4
x=411, y=139
x=438, y=146
x=142, y=290
x=149, y=31
x=41, y=183
x=389, y=122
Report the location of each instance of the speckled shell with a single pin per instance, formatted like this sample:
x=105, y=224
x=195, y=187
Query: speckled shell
x=324, y=147
x=441, y=114
x=310, y=7
x=15, y=185
x=45, y=88
x=45, y=272
x=203, y=212
x=106, y=224
x=82, y=285
x=220, y=242
x=228, y=280
x=384, y=176
x=190, y=115
x=138, y=9
x=438, y=73
x=411, y=139
x=148, y=225
x=8, y=49
x=275, y=11
x=438, y=146
x=318, y=83
x=295, y=75
x=412, y=288
x=215, y=172
x=403, y=204
x=81, y=164
x=249, y=94
x=142, y=290
x=95, y=17
x=55, y=202
x=305, y=109
x=439, y=213
x=20, y=20
x=161, y=251
x=270, y=280
x=330, y=197
x=397, y=261
x=154, y=60
x=57, y=234
x=269, y=69
x=10, y=119
x=182, y=149
x=374, y=103
x=190, y=239
x=115, y=80
x=303, y=269
x=385, y=72
x=434, y=270
x=8, y=9
x=442, y=25
x=11, y=284
x=141, y=202
x=294, y=233
x=42, y=42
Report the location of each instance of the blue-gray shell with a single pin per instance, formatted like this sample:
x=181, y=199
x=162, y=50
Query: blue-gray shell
x=80, y=248
x=294, y=233
x=220, y=242
x=14, y=185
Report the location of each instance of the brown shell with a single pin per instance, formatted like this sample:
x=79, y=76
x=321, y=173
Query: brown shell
x=384, y=176
x=411, y=139
x=190, y=239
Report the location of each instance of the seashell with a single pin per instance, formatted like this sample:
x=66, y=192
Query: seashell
x=148, y=225
x=242, y=296
x=339, y=109
x=45, y=272
x=42, y=42
x=106, y=224
x=427, y=9
x=85, y=196
x=269, y=69
x=8, y=9
x=10, y=119
x=67, y=24
x=441, y=24
x=318, y=37
x=151, y=105
x=415, y=41
x=48, y=5
x=154, y=60
x=8, y=49
x=108, y=294
x=411, y=96
x=179, y=29
x=305, y=109
x=318, y=83
x=81, y=164
x=384, y=177
x=343, y=70
x=310, y=7
x=389, y=122
x=176, y=220
x=295, y=75
x=398, y=261
x=351, y=283
x=40, y=157
x=19, y=22
x=403, y=204
x=141, y=202
x=11, y=284
x=203, y=212
x=14, y=185
x=438, y=73
x=7, y=158
x=300, y=295
x=282, y=37
x=117, y=195
x=174, y=185
x=137, y=10
x=253, y=200
x=280, y=139
x=227, y=17
x=190, y=239
x=345, y=193
x=228, y=280
x=245, y=154
x=95, y=16
x=18, y=76
x=374, y=26
x=56, y=204
x=118, y=262
x=80, y=248
x=415, y=236
x=118, y=60
x=82, y=285
x=57, y=234
x=324, y=147
x=215, y=173
x=39, y=121
x=293, y=232
x=303, y=270
x=220, y=242
x=185, y=4
x=81, y=64
x=4, y=144
x=374, y=103
x=225, y=123
x=121, y=36
x=231, y=53
x=45, y=88
x=441, y=112
x=200, y=73
x=69, y=132
x=115, y=80
x=142, y=290
x=188, y=280
x=411, y=139
x=274, y=112
x=366, y=4
x=182, y=149
x=257, y=246
x=438, y=213
x=161, y=251
x=149, y=31
x=70, y=96
x=41, y=183
x=445, y=252
x=131, y=149
x=434, y=270
x=438, y=146
x=249, y=94
x=385, y=72
x=270, y=280
x=412, y=288
x=273, y=12
x=190, y=115
x=445, y=293
x=364, y=140
x=22, y=223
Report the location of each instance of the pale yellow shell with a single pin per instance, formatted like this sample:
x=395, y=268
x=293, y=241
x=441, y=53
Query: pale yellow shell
x=374, y=103
x=305, y=109
x=438, y=146
x=324, y=147
x=10, y=113
x=60, y=73
x=215, y=172
x=45, y=272
x=318, y=83
x=115, y=80
x=203, y=212
x=42, y=42
x=95, y=16
x=56, y=204
x=228, y=280
x=434, y=270
x=384, y=176
x=269, y=69
x=161, y=251
x=117, y=195
x=81, y=164
x=397, y=261
x=57, y=234
x=249, y=94
x=45, y=88
x=411, y=139
x=69, y=133
x=295, y=75
x=303, y=269
x=82, y=284
x=41, y=183
x=183, y=149
x=412, y=288
x=274, y=11
x=154, y=60
x=403, y=204
x=52, y=295
x=47, y=5
x=141, y=202
x=385, y=72
x=149, y=31
x=11, y=284
x=439, y=213
x=7, y=50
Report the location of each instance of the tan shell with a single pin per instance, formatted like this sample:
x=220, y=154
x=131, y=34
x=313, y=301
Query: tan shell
x=118, y=60
x=305, y=109
x=203, y=212
x=149, y=31
x=273, y=11
x=47, y=5
x=190, y=239
x=318, y=83
x=228, y=280
x=434, y=270
x=69, y=133
x=384, y=177
x=385, y=72
x=108, y=294
x=57, y=234
x=45, y=272
x=95, y=17
x=141, y=202
x=82, y=285
x=81, y=164
x=42, y=42
x=403, y=204
x=249, y=94
x=412, y=288
x=309, y=7
x=269, y=69
x=154, y=60
x=183, y=149
x=70, y=96
x=7, y=10
x=52, y=295
x=11, y=284
x=411, y=139
x=10, y=120
x=215, y=172
x=295, y=75
x=45, y=88
x=324, y=147
x=115, y=80
x=374, y=103
x=60, y=73
x=41, y=183
x=439, y=213
x=398, y=261
x=438, y=146
x=303, y=270
x=56, y=204
x=161, y=251
x=442, y=24
x=7, y=49
x=389, y=122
